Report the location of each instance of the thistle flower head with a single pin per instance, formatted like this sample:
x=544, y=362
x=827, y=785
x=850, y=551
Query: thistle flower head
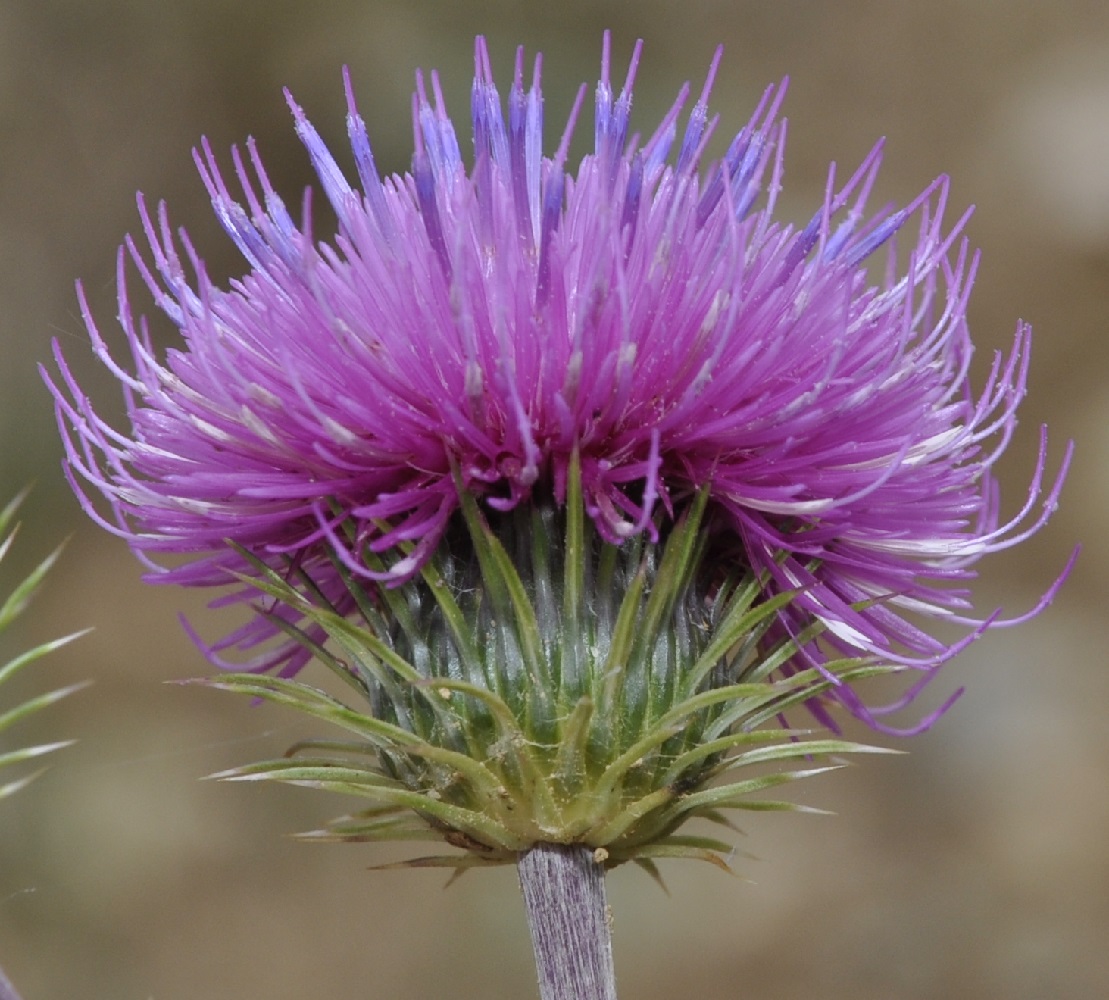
x=498, y=332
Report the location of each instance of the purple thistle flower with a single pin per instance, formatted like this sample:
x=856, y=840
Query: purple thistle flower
x=481, y=325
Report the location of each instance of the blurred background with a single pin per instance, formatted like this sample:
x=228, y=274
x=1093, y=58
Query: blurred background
x=975, y=867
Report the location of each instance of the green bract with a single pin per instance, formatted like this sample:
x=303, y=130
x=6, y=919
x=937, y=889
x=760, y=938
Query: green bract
x=537, y=684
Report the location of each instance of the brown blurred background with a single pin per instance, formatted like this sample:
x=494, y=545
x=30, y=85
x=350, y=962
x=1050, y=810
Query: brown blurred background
x=976, y=867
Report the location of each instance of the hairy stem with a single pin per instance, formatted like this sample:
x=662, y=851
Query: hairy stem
x=564, y=893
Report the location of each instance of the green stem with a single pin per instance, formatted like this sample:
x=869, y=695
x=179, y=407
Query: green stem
x=564, y=893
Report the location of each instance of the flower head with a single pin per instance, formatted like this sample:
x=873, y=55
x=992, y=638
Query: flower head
x=496, y=325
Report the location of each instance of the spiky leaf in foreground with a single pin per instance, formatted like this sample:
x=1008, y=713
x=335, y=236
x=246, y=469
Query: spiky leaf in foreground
x=11, y=608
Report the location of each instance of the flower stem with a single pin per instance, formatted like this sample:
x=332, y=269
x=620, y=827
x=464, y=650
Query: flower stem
x=7, y=991
x=564, y=893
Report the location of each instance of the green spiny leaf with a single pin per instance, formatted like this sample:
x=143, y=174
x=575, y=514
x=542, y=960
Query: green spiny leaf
x=12, y=607
x=32, y=705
